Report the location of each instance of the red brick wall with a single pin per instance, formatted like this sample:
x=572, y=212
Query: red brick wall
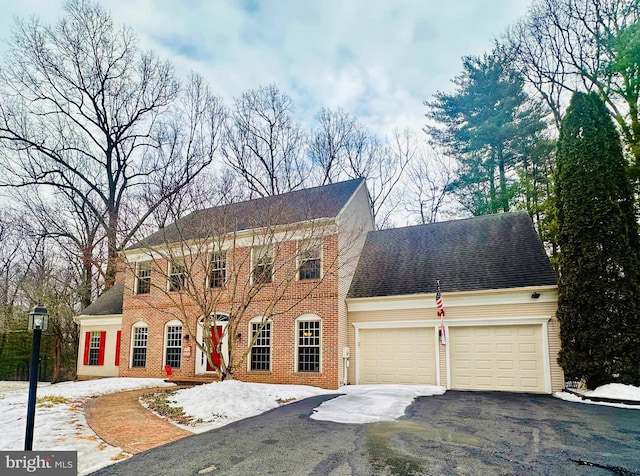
x=159, y=307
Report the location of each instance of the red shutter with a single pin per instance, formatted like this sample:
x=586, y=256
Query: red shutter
x=87, y=343
x=118, y=337
x=103, y=338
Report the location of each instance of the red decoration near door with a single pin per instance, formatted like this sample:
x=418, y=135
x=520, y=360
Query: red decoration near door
x=216, y=336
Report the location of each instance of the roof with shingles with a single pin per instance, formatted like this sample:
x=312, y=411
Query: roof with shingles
x=109, y=302
x=489, y=252
x=325, y=201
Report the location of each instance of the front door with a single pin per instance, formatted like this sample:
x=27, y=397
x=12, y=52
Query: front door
x=218, y=332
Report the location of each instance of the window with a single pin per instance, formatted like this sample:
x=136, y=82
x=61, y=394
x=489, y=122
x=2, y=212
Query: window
x=308, y=346
x=309, y=264
x=139, y=346
x=94, y=348
x=143, y=281
x=176, y=277
x=261, y=350
x=173, y=348
x=218, y=274
x=262, y=264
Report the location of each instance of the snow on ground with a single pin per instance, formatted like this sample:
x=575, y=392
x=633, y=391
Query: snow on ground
x=372, y=403
x=613, y=391
x=220, y=403
x=62, y=425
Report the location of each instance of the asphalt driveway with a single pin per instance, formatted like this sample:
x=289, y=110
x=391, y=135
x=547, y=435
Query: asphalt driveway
x=466, y=433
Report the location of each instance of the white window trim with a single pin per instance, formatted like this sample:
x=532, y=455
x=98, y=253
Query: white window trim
x=257, y=320
x=306, y=318
x=211, y=269
x=133, y=336
x=299, y=261
x=136, y=276
x=201, y=360
x=92, y=335
x=253, y=262
x=174, y=322
x=170, y=265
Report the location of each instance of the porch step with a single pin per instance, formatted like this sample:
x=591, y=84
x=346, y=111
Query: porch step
x=190, y=380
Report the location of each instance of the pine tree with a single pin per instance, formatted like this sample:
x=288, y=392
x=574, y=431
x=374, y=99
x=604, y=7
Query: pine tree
x=485, y=123
x=599, y=288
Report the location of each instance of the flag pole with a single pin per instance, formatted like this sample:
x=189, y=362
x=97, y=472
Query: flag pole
x=440, y=309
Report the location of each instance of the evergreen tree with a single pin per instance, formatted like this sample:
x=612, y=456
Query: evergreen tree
x=486, y=124
x=599, y=289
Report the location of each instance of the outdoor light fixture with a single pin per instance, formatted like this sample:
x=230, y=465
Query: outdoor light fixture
x=38, y=318
x=38, y=322
x=535, y=295
x=186, y=337
x=238, y=337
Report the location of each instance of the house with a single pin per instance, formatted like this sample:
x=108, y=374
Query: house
x=499, y=296
x=356, y=307
x=290, y=256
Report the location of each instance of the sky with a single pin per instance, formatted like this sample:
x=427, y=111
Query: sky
x=62, y=425
x=376, y=59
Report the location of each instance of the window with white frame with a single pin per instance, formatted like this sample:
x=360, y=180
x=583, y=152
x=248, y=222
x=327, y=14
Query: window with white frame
x=262, y=264
x=309, y=262
x=218, y=273
x=173, y=346
x=143, y=277
x=176, y=276
x=261, y=351
x=139, y=342
x=308, y=343
x=94, y=348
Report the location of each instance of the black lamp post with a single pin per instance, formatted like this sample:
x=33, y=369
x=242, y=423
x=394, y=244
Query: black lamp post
x=38, y=322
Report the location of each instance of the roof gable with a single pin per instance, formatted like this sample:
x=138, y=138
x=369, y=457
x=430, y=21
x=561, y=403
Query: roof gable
x=293, y=207
x=489, y=252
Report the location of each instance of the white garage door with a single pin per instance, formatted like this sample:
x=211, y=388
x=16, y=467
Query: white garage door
x=508, y=358
x=403, y=356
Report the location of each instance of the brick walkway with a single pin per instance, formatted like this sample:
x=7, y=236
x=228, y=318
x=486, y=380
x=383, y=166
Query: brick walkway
x=121, y=421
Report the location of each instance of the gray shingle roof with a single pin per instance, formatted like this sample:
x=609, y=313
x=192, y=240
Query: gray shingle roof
x=293, y=207
x=109, y=302
x=489, y=252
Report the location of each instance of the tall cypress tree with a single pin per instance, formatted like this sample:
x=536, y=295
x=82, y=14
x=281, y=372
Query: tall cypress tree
x=599, y=288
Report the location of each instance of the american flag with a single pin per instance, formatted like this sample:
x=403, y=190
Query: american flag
x=440, y=308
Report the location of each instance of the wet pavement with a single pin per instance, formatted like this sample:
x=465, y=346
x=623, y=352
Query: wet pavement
x=465, y=433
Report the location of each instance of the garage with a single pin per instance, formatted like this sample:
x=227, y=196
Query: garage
x=401, y=356
x=507, y=358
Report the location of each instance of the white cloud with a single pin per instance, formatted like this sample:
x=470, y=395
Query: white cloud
x=376, y=59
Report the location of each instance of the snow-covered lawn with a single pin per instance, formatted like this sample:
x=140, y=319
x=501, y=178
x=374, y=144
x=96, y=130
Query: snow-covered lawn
x=60, y=423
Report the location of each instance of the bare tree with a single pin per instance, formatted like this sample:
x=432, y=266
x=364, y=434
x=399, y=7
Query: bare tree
x=429, y=177
x=563, y=46
x=84, y=111
x=342, y=148
x=330, y=143
x=263, y=144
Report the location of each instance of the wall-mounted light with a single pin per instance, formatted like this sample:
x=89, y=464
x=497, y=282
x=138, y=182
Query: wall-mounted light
x=535, y=295
x=186, y=338
x=238, y=337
